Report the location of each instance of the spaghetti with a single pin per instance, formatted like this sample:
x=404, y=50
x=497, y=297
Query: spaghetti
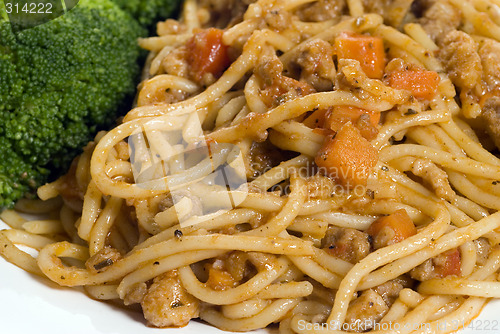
x=325, y=165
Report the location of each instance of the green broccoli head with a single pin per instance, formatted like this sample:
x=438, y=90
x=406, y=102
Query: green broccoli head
x=60, y=82
x=148, y=12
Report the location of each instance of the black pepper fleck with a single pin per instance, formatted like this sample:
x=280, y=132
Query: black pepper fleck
x=178, y=234
x=176, y=304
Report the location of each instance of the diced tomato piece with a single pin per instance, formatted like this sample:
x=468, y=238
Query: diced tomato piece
x=347, y=156
x=346, y=243
x=343, y=114
x=332, y=119
x=207, y=53
x=391, y=229
x=368, y=50
x=448, y=263
x=340, y=115
x=316, y=119
x=282, y=89
x=421, y=83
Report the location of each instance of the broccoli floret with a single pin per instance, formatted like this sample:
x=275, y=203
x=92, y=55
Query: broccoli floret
x=148, y=12
x=60, y=82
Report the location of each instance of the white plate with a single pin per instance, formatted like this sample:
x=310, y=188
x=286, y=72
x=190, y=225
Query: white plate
x=29, y=304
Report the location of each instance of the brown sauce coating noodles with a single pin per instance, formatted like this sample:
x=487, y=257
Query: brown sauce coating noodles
x=325, y=165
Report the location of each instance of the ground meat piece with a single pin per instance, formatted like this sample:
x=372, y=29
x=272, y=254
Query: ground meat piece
x=390, y=290
x=489, y=51
x=150, y=94
x=170, y=26
x=261, y=158
x=440, y=18
x=167, y=303
x=491, y=116
x=102, y=260
x=375, y=6
x=278, y=88
x=237, y=265
x=136, y=294
x=322, y=10
x=268, y=69
x=483, y=249
x=315, y=60
x=175, y=63
x=435, y=177
x=224, y=13
x=346, y=243
x=385, y=237
x=319, y=186
x=278, y=18
x=444, y=264
x=461, y=60
x=365, y=311
x=424, y=271
x=393, y=11
x=365, y=127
